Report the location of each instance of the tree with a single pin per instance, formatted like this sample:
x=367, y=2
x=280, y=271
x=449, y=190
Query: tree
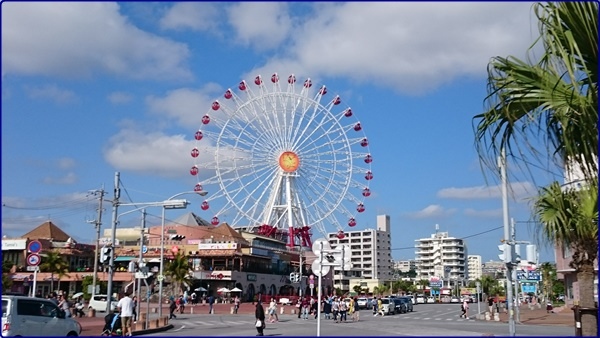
x=179, y=272
x=423, y=283
x=357, y=289
x=487, y=284
x=6, y=280
x=569, y=217
x=52, y=262
x=555, y=98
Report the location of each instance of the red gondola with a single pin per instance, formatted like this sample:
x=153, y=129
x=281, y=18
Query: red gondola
x=352, y=222
x=194, y=170
x=275, y=78
x=195, y=152
x=291, y=79
x=307, y=83
x=366, y=192
x=204, y=205
x=228, y=94
x=242, y=85
x=205, y=119
x=357, y=127
x=337, y=100
x=323, y=90
x=198, y=187
x=198, y=136
x=215, y=221
x=368, y=159
x=364, y=142
x=360, y=208
x=216, y=105
x=340, y=234
x=369, y=176
x=258, y=80
x=348, y=112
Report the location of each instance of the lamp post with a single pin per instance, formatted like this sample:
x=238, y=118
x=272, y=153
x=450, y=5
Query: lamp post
x=174, y=204
x=162, y=244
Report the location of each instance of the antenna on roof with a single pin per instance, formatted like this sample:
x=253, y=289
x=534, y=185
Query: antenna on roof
x=437, y=228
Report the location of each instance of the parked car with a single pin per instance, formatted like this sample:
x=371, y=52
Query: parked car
x=389, y=307
x=454, y=300
x=430, y=300
x=407, y=303
x=362, y=303
x=98, y=303
x=399, y=307
x=421, y=299
x=26, y=316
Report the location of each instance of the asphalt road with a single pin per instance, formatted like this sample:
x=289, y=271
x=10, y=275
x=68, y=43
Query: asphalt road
x=426, y=320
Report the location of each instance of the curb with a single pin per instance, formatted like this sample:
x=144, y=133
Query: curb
x=158, y=329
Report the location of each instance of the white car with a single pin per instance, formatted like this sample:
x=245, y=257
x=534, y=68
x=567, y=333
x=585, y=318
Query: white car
x=98, y=303
x=26, y=316
x=421, y=299
x=430, y=300
x=454, y=300
x=362, y=303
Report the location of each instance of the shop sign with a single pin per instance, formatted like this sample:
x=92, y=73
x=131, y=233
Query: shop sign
x=251, y=277
x=14, y=244
x=217, y=246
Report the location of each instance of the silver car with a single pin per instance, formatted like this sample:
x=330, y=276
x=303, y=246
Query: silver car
x=27, y=316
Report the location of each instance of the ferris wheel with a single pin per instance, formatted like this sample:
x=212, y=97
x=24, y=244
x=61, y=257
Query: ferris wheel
x=288, y=159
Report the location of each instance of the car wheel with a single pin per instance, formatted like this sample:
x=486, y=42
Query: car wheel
x=72, y=334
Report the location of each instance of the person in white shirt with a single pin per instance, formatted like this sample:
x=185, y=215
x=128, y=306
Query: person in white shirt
x=125, y=306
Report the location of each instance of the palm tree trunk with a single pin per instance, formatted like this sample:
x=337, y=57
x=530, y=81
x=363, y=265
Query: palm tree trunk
x=51, y=282
x=585, y=279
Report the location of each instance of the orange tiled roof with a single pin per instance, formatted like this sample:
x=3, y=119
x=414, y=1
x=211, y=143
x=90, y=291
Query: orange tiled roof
x=47, y=230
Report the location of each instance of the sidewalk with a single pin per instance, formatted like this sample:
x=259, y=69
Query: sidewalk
x=562, y=316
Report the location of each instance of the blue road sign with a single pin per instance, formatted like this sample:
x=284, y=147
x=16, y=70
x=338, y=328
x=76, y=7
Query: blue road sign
x=533, y=275
x=144, y=249
x=34, y=246
x=521, y=275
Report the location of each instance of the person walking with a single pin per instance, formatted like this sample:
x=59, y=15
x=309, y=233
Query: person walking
x=125, y=306
x=374, y=304
x=351, y=309
x=356, y=316
x=236, y=304
x=465, y=307
x=327, y=308
x=260, y=319
x=491, y=305
x=194, y=299
x=172, y=308
x=63, y=304
x=305, y=308
x=211, y=302
x=135, y=303
x=343, y=311
x=335, y=309
x=273, y=311
x=299, y=307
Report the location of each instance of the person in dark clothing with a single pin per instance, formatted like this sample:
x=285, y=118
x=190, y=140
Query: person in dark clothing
x=260, y=315
x=172, y=307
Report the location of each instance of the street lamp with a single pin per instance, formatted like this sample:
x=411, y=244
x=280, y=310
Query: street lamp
x=173, y=204
x=162, y=244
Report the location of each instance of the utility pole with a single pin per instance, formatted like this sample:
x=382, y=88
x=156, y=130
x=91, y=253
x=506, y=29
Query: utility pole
x=115, y=202
x=141, y=266
x=300, y=271
x=97, y=223
x=507, y=240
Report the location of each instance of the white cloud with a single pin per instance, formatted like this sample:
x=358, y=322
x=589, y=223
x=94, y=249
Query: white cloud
x=262, y=25
x=406, y=46
x=69, y=178
x=492, y=213
x=65, y=39
x=66, y=163
x=518, y=190
x=197, y=16
x=432, y=211
x=119, y=98
x=52, y=92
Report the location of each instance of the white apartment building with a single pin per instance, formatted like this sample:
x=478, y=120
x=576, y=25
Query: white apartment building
x=371, y=256
x=441, y=256
x=474, y=267
x=405, y=265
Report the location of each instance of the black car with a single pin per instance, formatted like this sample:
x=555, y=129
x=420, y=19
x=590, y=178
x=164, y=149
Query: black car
x=399, y=307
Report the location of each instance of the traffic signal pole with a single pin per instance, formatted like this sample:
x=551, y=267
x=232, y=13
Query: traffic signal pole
x=111, y=266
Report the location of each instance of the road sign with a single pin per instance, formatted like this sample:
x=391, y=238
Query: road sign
x=34, y=247
x=311, y=277
x=32, y=267
x=144, y=249
x=160, y=277
x=141, y=274
x=521, y=275
x=33, y=259
x=533, y=275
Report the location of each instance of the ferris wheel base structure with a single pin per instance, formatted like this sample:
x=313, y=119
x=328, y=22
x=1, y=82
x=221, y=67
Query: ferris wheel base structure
x=287, y=160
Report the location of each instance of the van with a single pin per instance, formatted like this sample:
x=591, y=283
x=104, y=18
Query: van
x=98, y=303
x=27, y=316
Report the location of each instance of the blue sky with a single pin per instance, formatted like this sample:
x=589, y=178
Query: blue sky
x=89, y=89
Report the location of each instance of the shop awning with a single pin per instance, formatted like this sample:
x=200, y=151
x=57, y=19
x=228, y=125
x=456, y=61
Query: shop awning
x=124, y=259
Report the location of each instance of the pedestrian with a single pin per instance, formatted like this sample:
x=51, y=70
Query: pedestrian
x=343, y=311
x=194, y=299
x=356, y=310
x=335, y=309
x=181, y=304
x=352, y=309
x=125, y=306
x=272, y=310
x=134, y=309
x=211, y=302
x=299, y=307
x=314, y=308
x=260, y=319
x=464, y=308
x=374, y=304
x=380, y=307
x=327, y=308
x=172, y=308
x=491, y=305
x=79, y=308
x=305, y=308
x=63, y=303
x=236, y=304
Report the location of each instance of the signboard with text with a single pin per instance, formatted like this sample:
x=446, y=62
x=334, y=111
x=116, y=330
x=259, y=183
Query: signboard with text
x=217, y=246
x=14, y=244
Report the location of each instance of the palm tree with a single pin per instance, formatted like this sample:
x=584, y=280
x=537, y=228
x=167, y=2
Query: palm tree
x=52, y=262
x=423, y=283
x=179, y=271
x=555, y=98
x=569, y=217
x=6, y=280
x=487, y=284
x=548, y=275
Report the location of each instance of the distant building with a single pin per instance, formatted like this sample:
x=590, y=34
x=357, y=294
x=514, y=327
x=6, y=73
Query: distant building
x=493, y=268
x=441, y=256
x=474, y=267
x=371, y=257
x=405, y=265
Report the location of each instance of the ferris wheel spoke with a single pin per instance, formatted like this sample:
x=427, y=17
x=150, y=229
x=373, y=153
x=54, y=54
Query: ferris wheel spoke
x=248, y=196
x=320, y=127
x=315, y=150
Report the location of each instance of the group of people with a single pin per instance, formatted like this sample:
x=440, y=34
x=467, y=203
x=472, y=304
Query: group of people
x=334, y=307
x=70, y=308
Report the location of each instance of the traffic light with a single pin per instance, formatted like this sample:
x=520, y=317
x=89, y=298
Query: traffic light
x=177, y=237
x=505, y=255
x=105, y=255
